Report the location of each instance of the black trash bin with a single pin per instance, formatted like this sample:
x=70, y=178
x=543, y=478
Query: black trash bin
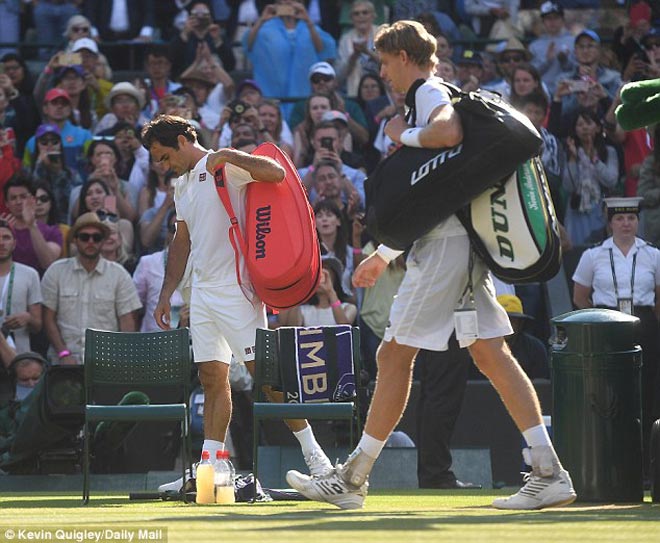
x=597, y=409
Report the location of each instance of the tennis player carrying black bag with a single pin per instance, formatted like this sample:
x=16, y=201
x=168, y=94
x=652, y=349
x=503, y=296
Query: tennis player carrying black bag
x=415, y=189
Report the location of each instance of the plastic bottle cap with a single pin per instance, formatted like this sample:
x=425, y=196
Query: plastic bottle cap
x=218, y=455
x=206, y=455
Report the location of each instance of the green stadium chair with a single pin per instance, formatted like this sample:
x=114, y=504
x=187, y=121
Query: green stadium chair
x=275, y=366
x=152, y=359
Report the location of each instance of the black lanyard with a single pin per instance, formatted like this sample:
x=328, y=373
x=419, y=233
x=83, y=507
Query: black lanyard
x=632, y=277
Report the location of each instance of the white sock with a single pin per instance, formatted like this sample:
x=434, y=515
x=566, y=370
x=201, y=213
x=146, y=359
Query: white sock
x=213, y=447
x=370, y=445
x=537, y=436
x=308, y=442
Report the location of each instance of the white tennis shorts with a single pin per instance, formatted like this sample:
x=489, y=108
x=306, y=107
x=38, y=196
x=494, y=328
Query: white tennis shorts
x=222, y=322
x=422, y=314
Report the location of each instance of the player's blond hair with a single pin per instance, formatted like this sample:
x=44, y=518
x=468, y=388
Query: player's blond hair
x=408, y=36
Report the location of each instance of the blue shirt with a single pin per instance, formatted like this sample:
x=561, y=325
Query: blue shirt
x=74, y=144
x=281, y=58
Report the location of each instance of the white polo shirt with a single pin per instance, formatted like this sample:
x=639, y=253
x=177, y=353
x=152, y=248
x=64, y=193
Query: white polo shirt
x=595, y=271
x=198, y=204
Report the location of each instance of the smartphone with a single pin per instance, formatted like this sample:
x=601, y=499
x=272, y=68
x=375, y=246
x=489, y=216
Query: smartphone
x=55, y=157
x=327, y=143
x=285, y=10
x=578, y=85
x=110, y=203
x=69, y=59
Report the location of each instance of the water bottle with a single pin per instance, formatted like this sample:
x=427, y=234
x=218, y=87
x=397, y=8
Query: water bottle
x=205, y=480
x=224, y=478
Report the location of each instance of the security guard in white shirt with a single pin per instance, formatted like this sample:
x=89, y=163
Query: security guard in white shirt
x=623, y=273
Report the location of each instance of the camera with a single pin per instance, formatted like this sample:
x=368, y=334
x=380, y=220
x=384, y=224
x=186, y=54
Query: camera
x=327, y=143
x=238, y=107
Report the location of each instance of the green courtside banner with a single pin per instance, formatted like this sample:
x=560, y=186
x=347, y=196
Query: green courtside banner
x=513, y=226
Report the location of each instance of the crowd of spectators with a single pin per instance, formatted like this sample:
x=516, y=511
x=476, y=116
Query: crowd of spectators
x=301, y=75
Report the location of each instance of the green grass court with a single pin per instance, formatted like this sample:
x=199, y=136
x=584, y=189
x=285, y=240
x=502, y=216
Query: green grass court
x=389, y=516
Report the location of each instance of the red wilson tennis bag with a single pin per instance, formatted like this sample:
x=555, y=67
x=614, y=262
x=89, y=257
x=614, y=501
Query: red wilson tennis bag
x=513, y=226
x=415, y=189
x=280, y=245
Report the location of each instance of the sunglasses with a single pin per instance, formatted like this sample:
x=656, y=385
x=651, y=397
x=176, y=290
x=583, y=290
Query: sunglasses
x=80, y=28
x=512, y=58
x=361, y=12
x=85, y=237
x=49, y=141
x=103, y=138
x=107, y=216
x=318, y=78
x=43, y=199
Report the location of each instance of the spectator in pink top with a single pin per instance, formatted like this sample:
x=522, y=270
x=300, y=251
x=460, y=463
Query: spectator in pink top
x=37, y=244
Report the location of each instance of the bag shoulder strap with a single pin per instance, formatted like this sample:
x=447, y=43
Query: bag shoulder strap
x=235, y=235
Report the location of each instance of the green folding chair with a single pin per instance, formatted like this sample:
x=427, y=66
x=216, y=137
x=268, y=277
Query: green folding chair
x=151, y=359
x=275, y=357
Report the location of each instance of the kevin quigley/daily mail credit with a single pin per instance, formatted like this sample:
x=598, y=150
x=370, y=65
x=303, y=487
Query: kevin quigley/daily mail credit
x=99, y=535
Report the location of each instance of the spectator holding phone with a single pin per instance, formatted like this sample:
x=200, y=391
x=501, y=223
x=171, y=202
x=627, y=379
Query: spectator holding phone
x=355, y=54
x=589, y=70
x=592, y=168
x=200, y=28
x=37, y=245
x=627, y=39
x=328, y=146
x=57, y=110
x=283, y=45
x=103, y=157
x=19, y=86
x=49, y=166
x=315, y=106
x=133, y=162
x=84, y=52
x=645, y=62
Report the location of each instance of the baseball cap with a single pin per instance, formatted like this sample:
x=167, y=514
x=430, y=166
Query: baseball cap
x=85, y=43
x=248, y=83
x=322, y=68
x=470, y=57
x=551, y=7
x=47, y=128
x=513, y=306
x=55, y=93
x=590, y=33
x=335, y=115
x=72, y=67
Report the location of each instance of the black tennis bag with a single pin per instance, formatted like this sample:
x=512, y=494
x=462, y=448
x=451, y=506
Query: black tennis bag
x=415, y=189
x=513, y=226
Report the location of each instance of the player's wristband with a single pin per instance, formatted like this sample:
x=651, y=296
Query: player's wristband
x=386, y=253
x=336, y=303
x=64, y=353
x=410, y=137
